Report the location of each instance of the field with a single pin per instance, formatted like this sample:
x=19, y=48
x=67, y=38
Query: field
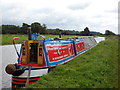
x=7, y=38
x=96, y=68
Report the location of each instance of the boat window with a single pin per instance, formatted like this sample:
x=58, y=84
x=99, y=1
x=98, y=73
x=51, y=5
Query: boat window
x=40, y=51
x=23, y=51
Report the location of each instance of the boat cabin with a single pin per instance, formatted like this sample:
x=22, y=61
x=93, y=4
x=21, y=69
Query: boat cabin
x=32, y=52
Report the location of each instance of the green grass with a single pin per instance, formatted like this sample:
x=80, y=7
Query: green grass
x=96, y=68
x=7, y=38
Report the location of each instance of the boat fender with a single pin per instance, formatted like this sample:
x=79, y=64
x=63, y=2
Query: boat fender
x=10, y=68
x=18, y=72
x=14, y=70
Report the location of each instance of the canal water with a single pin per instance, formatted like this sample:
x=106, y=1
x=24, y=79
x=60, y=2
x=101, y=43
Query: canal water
x=9, y=56
x=99, y=39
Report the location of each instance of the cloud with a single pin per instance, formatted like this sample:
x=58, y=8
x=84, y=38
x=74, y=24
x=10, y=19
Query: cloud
x=64, y=14
x=114, y=10
x=79, y=6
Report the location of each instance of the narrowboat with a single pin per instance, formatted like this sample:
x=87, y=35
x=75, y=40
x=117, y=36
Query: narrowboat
x=37, y=57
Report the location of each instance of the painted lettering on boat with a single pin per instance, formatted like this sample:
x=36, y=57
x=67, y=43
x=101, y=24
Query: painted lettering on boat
x=59, y=52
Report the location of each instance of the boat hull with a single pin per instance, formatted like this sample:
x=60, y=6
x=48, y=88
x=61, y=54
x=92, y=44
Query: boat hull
x=35, y=75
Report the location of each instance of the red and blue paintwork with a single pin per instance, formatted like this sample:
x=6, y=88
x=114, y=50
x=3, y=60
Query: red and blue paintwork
x=56, y=51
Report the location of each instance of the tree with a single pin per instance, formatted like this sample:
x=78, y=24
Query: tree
x=44, y=26
x=86, y=31
x=107, y=32
x=10, y=29
x=24, y=28
x=44, y=29
x=82, y=33
x=36, y=27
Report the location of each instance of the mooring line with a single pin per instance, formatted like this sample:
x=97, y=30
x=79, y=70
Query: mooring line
x=29, y=71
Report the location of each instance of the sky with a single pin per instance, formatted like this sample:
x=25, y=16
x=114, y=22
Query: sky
x=97, y=15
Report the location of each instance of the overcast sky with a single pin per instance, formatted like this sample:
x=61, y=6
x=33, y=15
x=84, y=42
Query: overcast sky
x=98, y=15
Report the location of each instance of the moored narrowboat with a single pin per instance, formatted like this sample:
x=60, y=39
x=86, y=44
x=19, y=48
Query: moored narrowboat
x=37, y=57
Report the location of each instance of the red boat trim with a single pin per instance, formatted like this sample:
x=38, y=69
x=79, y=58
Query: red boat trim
x=14, y=82
x=33, y=37
x=24, y=79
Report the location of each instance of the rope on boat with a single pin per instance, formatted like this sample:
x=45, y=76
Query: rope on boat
x=29, y=71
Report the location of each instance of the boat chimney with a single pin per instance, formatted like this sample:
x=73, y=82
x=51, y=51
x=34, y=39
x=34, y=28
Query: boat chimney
x=29, y=32
x=60, y=33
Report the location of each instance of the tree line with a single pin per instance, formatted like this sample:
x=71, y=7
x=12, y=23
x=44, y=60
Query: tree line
x=36, y=27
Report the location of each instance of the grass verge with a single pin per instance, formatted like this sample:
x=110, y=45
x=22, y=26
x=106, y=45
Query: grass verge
x=96, y=68
x=7, y=38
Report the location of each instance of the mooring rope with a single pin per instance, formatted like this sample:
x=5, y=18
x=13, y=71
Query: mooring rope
x=29, y=71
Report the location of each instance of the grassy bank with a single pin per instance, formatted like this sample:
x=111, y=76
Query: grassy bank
x=96, y=68
x=7, y=38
